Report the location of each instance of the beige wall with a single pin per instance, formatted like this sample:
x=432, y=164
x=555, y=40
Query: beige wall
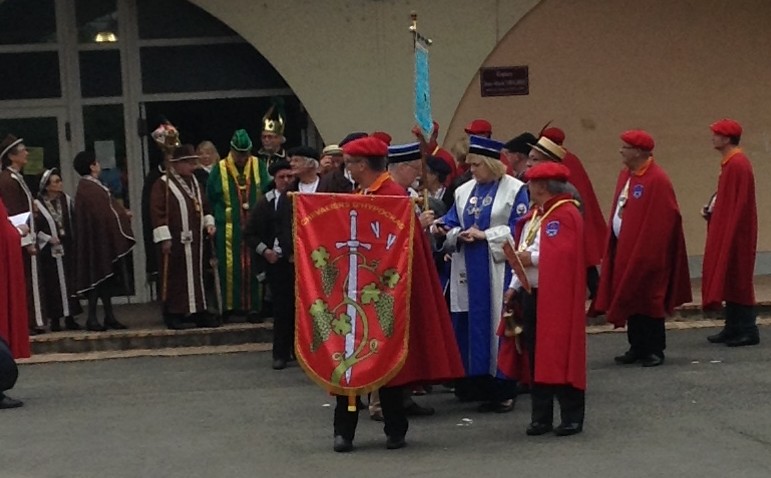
x=669, y=66
x=597, y=67
x=350, y=61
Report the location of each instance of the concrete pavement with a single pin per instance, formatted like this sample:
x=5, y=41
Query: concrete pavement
x=705, y=413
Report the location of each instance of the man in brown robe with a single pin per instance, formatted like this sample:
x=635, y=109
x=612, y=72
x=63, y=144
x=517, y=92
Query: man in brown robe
x=19, y=199
x=103, y=229
x=182, y=221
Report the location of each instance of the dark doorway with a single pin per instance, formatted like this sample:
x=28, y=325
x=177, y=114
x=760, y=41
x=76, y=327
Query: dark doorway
x=216, y=120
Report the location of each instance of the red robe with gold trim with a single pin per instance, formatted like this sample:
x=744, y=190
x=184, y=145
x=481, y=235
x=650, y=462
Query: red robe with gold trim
x=732, y=236
x=645, y=269
x=13, y=295
x=560, y=335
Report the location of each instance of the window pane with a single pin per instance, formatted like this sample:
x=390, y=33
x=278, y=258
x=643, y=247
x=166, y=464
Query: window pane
x=177, y=19
x=100, y=73
x=41, y=137
x=97, y=20
x=206, y=68
x=27, y=21
x=34, y=75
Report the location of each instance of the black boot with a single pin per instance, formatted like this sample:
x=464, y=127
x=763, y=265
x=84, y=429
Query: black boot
x=56, y=325
x=92, y=323
x=721, y=337
x=70, y=324
x=110, y=322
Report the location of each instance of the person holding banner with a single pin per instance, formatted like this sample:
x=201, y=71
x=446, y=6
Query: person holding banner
x=486, y=209
x=550, y=248
x=425, y=350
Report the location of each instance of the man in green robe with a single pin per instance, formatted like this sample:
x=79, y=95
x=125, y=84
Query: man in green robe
x=235, y=185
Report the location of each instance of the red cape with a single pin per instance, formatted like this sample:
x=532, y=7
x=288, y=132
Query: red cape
x=433, y=352
x=13, y=293
x=732, y=235
x=645, y=271
x=560, y=353
x=595, y=227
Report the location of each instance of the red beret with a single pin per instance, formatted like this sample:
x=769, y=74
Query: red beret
x=639, y=139
x=548, y=171
x=726, y=127
x=554, y=134
x=382, y=136
x=479, y=127
x=367, y=146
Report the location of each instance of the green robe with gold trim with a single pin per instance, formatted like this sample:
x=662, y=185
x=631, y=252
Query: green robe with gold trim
x=231, y=204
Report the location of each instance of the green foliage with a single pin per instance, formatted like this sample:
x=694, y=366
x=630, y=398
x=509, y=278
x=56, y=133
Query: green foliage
x=342, y=325
x=391, y=278
x=320, y=257
x=370, y=293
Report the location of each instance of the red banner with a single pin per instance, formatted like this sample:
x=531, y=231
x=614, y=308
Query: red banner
x=353, y=264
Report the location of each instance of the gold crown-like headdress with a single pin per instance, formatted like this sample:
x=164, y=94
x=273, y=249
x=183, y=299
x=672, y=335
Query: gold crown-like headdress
x=271, y=125
x=166, y=137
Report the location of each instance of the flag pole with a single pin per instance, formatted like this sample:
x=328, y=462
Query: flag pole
x=416, y=36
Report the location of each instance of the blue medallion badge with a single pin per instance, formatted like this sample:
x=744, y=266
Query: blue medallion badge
x=637, y=191
x=552, y=228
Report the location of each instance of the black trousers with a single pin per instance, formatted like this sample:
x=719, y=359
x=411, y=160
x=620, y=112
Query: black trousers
x=571, y=400
x=8, y=370
x=592, y=281
x=740, y=319
x=394, y=417
x=646, y=335
x=281, y=280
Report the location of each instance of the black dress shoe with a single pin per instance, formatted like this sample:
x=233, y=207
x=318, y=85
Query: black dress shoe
x=394, y=442
x=70, y=324
x=205, y=319
x=487, y=407
x=628, y=358
x=8, y=402
x=174, y=322
x=56, y=325
x=415, y=410
x=744, y=340
x=535, y=429
x=279, y=364
x=567, y=429
x=721, y=337
x=342, y=445
x=652, y=360
x=254, y=318
x=95, y=326
x=112, y=323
